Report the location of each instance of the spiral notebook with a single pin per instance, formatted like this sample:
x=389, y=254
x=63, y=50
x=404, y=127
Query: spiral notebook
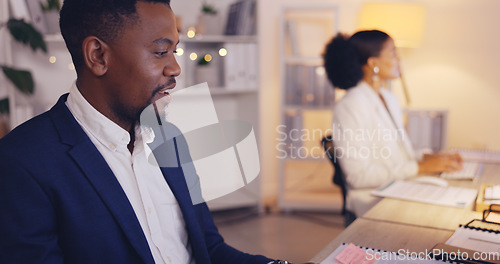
x=481, y=240
x=481, y=235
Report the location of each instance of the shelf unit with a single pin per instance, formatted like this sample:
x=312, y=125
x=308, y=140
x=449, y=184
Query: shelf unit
x=231, y=103
x=305, y=173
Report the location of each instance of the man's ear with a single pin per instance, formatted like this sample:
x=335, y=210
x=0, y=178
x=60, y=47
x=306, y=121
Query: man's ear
x=95, y=55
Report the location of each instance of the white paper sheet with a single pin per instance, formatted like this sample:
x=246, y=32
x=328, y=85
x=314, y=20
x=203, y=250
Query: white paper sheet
x=426, y=193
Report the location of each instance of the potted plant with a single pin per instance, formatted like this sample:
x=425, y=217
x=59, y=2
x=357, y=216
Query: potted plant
x=50, y=10
x=206, y=71
x=21, y=79
x=208, y=20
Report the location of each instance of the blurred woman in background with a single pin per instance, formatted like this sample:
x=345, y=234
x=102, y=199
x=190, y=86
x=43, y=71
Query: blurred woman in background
x=368, y=131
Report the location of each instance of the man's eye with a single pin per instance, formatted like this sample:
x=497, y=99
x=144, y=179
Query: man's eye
x=161, y=53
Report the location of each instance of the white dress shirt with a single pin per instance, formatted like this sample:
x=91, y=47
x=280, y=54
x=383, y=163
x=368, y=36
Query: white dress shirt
x=153, y=202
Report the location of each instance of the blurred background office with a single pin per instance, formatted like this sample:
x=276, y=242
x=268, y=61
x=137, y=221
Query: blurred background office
x=454, y=68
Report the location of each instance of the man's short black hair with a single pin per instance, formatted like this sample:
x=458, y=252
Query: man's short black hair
x=104, y=19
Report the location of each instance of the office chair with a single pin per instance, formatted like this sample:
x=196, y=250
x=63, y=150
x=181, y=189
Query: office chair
x=338, y=177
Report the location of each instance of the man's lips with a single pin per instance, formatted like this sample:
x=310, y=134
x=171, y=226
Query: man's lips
x=165, y=91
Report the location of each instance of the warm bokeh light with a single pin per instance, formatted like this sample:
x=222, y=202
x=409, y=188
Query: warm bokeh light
x=193, y=56
x=404, y=22
x=223, y=52
x=208, y=57
x=191, y=32
x=71, y=66
x=52, y=59
x=320, y=71
x=180, y=51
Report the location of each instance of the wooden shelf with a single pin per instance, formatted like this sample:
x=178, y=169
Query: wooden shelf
x=217, y=39
x=53, y=38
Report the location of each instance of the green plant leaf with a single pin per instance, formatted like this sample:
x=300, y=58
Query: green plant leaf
x=20, y=78
x=27, y=34
x=4, y=105
x=51, y=5
x=202, y=61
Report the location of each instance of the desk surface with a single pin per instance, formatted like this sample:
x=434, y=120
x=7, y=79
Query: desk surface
x=386, y=236
x=397, y=224
x=419, y=214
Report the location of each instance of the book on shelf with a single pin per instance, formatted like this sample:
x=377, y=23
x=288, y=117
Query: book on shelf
x=307, y=86
x=247, y=23
x=241, y=66
x=293, y=91
x=293, y=43
x=232, y=61
x=36, y=15
x=293, y=129
x=19, y=10
x=252, y=64
x=232, y=18
x=242, y=18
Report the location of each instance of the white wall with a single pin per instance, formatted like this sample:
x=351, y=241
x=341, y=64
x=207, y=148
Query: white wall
x=456, y=68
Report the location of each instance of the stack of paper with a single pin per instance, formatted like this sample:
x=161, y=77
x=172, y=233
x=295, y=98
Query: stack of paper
x=426, y=193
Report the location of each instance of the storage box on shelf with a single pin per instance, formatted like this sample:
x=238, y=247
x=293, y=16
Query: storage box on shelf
x=229, y=65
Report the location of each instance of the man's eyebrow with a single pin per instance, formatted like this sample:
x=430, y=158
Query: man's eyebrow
x=164, y=41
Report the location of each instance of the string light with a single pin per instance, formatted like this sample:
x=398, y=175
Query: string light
x=208, y=57
x=180, y=51
x=191, y=32
x=193, y=56
x=223, y=52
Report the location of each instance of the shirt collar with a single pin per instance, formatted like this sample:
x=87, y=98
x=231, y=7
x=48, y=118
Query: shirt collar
x=106, y=131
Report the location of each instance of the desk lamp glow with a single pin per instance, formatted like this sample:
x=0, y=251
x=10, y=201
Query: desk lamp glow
x=404, y=22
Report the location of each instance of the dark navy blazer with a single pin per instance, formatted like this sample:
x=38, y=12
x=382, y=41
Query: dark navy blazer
x=61, y=203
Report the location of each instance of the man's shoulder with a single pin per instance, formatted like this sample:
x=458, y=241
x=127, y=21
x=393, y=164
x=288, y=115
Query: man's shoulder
x=27, y=136
x=40, y=130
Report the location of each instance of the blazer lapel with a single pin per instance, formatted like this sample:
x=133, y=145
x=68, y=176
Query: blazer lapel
x=387, y=118
x=97, y=171
x=378, y=107
x=176, y=181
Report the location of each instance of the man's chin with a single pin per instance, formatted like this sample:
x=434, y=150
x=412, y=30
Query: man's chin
x=154, y=114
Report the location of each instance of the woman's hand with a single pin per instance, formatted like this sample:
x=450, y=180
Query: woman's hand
x=437, y=163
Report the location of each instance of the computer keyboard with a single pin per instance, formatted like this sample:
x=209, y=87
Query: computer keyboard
x=478, y=155
x=469, y=171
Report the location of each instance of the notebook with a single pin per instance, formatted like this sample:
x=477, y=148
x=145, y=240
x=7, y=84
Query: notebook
x=352, y=254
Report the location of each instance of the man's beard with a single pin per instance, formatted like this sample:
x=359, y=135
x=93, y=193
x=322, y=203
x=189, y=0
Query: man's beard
x=133, y=115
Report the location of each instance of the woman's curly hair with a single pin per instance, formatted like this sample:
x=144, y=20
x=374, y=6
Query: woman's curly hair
x=344, y=56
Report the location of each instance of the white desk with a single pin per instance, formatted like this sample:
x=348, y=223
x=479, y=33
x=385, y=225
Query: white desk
x=396, y=224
